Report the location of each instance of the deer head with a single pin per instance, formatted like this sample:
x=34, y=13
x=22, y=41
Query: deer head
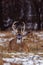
x=19, y=30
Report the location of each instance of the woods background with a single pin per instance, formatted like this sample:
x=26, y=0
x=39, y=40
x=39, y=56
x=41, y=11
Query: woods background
x=21, y=10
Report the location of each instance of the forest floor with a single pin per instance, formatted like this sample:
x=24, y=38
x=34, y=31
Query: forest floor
x=30, y=52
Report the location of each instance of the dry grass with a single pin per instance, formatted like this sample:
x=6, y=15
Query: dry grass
x=28, y=45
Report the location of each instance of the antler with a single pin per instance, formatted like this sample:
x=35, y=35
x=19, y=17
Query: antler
x=23, y=32
x=14, y=27
x=23, y=28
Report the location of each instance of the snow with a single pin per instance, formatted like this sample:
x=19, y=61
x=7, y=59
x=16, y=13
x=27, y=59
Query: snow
x=2, y=34
x=7, y=64
x=5, y=39
x=30, y=59
x=25, y=59
x=39, y=35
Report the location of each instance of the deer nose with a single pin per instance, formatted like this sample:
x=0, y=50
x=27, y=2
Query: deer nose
x=19, y=36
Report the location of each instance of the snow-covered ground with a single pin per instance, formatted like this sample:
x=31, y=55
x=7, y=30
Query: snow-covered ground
x=39, y=34
x=5, y=39
x=24, y=59
x=2, y=34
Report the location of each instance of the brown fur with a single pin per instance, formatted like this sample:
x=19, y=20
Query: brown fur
x=13, y=46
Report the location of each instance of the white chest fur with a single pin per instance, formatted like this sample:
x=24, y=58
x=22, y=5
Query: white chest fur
x=18, y=41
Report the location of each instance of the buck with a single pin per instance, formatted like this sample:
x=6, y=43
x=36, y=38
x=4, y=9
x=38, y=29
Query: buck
x=20, y=34
x=19, y=30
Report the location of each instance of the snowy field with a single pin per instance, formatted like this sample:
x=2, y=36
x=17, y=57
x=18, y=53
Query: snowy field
x=23, y=59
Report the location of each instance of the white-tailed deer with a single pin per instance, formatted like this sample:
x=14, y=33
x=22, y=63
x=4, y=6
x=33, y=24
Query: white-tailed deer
x=17, y=44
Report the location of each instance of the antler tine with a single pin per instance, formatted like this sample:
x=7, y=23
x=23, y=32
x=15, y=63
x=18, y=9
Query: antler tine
x=13, y=26
x=23, y=28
